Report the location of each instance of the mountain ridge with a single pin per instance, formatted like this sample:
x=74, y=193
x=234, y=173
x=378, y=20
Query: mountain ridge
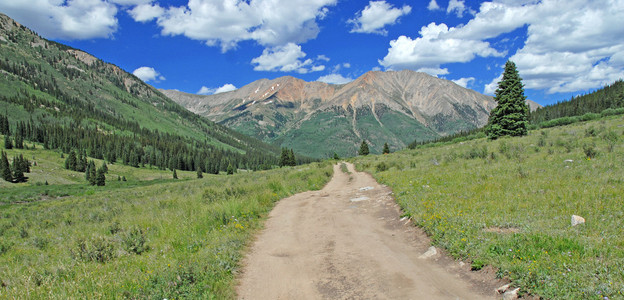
x=285, y=108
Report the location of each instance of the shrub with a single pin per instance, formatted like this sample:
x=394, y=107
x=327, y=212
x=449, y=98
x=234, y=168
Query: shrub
x=611, y=138
x=134, y=240
x=97, y=248
x=590, y=150
x=381, y=167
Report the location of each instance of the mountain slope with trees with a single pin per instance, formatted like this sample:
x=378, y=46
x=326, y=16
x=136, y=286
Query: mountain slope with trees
x=318, y=119
x=67, y=99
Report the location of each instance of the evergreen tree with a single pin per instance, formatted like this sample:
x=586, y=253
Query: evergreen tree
x=199, y=173
x=336, y=157
x=230, y=169
x=284, y=158
x=18, y=174
x=292, y=161
x=5, y=168
x=175, y=175
x=363, y=148
x=90, y=173
x=105, y=167
x=100, y=178
x=8, y=144
x=386, y=149
x=510, y=116
x=70, y=162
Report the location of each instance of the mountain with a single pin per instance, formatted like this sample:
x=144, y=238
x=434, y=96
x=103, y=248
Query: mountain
x=69, y=99
x=317, y=119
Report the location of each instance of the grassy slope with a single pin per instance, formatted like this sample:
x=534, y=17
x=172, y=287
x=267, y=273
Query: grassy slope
x=195, y=230
x=508, y=203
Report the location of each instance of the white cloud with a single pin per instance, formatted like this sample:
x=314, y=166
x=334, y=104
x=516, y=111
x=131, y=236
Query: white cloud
x=376, y=15
x=148, y=74
x=570, y=45
x=228, y=87
x=322, y=57
x=491, y=87
x=458, y=7
x=346, y=65
x=463, y=82
x=334, y=79
x=226, y=22
x=130, y=2
x=146, y=12
x=286, y=58
x=68, y=20
x=433, y=5
x=432, y=49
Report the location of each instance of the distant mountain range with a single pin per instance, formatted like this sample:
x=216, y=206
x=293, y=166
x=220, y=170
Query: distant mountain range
x=318, y=119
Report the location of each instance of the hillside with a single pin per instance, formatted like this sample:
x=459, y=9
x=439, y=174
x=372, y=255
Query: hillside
x=68, y=99
x=318, y=119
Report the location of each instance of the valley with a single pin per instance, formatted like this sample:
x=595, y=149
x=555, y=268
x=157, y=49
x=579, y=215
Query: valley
x=221, y=196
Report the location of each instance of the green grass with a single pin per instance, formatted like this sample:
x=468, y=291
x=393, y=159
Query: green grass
x=508, y=203
x=147, y=238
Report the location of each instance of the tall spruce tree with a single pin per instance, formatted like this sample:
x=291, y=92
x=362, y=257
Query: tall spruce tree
x=363, y=148
x=284, y=157
x=510, y=116
x=292, y=161
x=100, y=178
x=8, y=144
x=5, y=168
x=18, y=172
x=386, y=149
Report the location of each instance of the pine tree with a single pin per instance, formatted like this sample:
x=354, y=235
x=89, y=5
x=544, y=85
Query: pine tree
x=100, y=178
x=336, y=157
x=70, y=162
x=5, y=168
x=199, y=173
x=18, y=174
x=175, y=175
x=90, y=173
x=386, y=149
x=8, y=144
x=510, y=116
x=292, y=161
x=363, y=148
x=284, y=158
x=230, y=169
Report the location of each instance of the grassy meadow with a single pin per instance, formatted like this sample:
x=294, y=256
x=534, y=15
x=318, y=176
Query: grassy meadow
x=508, y=203
x=150, y=237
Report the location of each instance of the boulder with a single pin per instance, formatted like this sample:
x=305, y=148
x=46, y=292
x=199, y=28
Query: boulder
x=576, y=220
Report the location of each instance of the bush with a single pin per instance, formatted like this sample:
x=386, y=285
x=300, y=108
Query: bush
x=381, y=167
x=97, y=248
x=134, y=240
x=590, y=150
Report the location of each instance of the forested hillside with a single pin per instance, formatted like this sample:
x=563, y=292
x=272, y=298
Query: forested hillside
x=611, y=96
x=67, y=99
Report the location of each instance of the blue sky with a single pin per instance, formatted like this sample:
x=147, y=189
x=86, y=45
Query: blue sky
x=562, y=47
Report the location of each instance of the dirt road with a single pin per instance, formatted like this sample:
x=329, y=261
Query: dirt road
x=347, y=242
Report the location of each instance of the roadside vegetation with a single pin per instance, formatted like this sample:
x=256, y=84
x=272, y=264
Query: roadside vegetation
x=508, y=203
x=149, y=237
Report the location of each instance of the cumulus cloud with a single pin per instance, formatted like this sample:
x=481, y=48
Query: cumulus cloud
x=228, y=87
x=130, y=2
x=286, y=58
x=458, y=7
x=226, y=22
x=433, y=48
x=463, y=82
x=376, y=15
x=68, y=20
x=433, y=5
x=148, y=74
x=146, y=12
x=334, y=79
x=570, y=46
